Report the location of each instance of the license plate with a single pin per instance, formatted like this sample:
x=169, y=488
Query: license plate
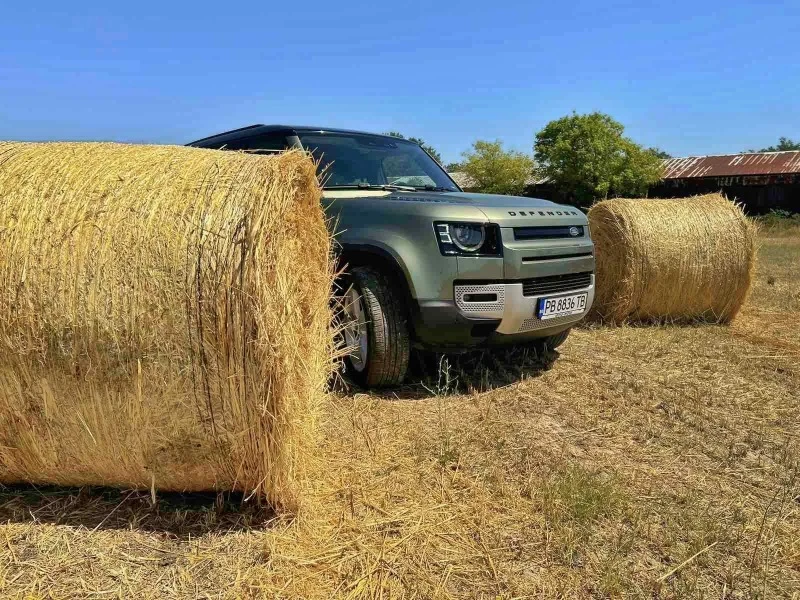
x=550, y=308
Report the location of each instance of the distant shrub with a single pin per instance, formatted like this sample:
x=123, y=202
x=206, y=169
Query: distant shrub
x=778, y=218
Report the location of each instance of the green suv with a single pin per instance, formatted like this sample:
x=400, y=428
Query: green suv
x=430, y=266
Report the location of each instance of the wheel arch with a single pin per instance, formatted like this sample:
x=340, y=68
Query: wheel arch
x=368, y=255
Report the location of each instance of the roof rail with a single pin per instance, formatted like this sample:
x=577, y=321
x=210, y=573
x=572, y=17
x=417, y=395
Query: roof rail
x=217, y=135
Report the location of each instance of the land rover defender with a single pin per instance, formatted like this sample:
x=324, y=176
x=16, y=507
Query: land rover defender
x=427, y=264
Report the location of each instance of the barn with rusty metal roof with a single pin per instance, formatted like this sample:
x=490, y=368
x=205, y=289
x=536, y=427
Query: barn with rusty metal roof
x=761, y=181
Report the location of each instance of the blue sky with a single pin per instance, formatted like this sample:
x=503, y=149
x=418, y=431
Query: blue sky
x=690, y=77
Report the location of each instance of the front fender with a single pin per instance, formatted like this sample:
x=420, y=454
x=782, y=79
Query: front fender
x=428, y=274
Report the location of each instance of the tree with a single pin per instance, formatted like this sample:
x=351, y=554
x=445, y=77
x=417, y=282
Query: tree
x=497, y=171
x=420, y=142
x=454, y=167
x=588, y=158
x=659, y=153
x=783, y=145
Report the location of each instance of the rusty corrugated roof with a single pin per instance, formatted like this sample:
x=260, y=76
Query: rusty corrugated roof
x=728, y=165
x=465, y=182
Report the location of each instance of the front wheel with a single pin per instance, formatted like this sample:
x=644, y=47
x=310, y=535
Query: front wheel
x=551, y=342
x=375, y=329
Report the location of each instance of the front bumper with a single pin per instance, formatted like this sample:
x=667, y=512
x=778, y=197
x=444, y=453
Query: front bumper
x=515, y=310
x=491, y=313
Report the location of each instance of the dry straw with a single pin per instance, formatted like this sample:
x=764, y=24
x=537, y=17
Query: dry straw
x=165, y=318
x=671, y=260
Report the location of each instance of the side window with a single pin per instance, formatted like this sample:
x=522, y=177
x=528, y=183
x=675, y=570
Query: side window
x=267, y=144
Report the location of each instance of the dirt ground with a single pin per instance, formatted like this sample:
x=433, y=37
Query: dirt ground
x=658, y=462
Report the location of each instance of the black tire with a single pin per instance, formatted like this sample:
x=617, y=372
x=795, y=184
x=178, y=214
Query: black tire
x=552, y=342
x=389, y=346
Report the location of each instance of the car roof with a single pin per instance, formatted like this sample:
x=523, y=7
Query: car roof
x=259, y=129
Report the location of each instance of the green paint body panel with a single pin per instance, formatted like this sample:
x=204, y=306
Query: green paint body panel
x=401, y=224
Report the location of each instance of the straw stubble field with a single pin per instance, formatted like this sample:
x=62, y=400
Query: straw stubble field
x=644, y=462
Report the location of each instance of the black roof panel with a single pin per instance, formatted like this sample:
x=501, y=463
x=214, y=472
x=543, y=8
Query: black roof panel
x=258, y=129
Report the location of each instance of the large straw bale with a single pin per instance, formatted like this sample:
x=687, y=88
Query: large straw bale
x=671, y=260
x=164, y=318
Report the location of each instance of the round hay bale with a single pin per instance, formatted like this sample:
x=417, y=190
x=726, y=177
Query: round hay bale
x=671, y=260
x=164, y=318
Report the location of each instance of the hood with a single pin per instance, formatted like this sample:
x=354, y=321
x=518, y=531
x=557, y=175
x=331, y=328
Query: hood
x=504, y=210
x=498, y=201
x=507, y=211
x=476, y=200
x=462, y=198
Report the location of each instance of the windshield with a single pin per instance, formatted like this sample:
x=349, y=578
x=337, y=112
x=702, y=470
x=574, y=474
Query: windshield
x=360, y=160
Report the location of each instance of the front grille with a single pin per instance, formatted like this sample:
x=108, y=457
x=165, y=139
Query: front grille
x=556, y=283
x=548, y=232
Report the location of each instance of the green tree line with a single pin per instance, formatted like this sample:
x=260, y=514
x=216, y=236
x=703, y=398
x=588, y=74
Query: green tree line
x=584, y=157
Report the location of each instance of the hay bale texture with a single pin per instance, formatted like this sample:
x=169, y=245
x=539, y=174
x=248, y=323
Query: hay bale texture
x=164, y=318
x=671, y=260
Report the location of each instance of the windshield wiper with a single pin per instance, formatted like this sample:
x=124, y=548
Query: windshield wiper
x=435, y=188
x=369, y=186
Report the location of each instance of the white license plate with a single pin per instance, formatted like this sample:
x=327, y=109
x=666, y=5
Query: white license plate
x=550, y=308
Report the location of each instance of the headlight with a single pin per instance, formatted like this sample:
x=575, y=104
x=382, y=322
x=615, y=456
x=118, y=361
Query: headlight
x=468, y=238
